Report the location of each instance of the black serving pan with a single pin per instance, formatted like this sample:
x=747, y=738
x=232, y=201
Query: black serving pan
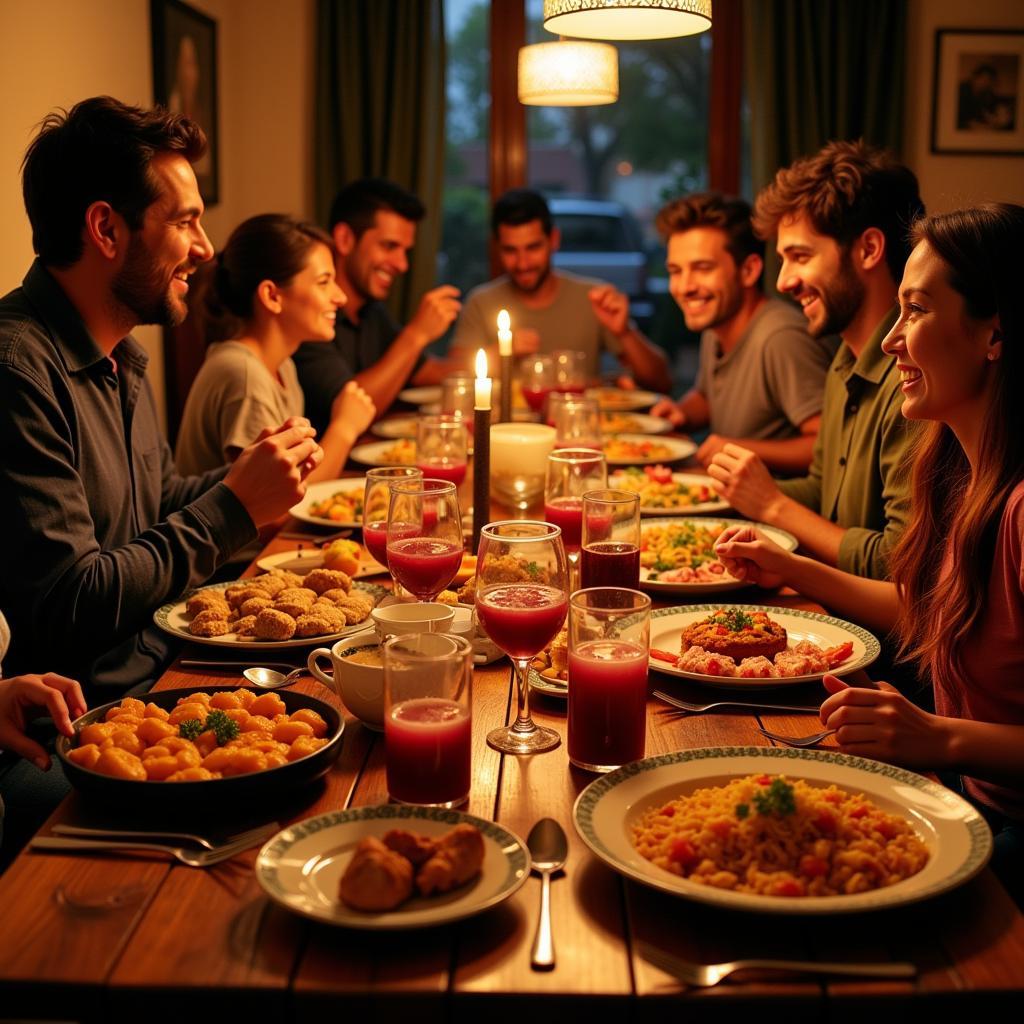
x=232, y=792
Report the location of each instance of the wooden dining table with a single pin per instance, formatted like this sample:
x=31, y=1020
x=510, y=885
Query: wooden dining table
x=136, y=937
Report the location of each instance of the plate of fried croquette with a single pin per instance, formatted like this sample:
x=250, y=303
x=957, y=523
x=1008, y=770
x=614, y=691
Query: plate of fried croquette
x=274, y=610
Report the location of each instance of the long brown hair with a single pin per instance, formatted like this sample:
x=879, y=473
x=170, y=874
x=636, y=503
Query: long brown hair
x=983, y=250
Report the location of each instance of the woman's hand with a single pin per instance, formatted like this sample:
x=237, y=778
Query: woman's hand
x=882, y=724
x=353, y=408
x=749, y=555
x=60, y=696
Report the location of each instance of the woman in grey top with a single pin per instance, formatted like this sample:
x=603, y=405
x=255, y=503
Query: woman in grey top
x=273, y=288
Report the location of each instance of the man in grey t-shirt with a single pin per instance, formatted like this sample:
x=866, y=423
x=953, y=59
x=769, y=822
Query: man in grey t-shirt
x=762, y=377
x=551, y=309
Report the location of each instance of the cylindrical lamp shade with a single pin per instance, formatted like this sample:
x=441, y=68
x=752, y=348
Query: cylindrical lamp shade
x=627, y=19
x=568, y=74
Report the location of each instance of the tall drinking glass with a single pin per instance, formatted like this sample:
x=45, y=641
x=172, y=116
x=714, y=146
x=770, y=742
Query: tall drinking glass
x=609, y=645
x=424, y=536
x=457, y=398
x=441, y=448
x=611, y=539
x=577, y=421
x=376, y=498
x=428, y=718
x=571, y=473
x=521, y=600
x=570, y=371
x=537, y=379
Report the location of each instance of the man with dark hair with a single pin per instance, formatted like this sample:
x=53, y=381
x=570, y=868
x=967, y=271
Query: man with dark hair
x=373, y=223
x=761, y=378
x=841, y=220
x=552, y=309
x=99, y=530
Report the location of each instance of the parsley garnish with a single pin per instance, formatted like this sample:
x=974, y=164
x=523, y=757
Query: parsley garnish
x=225, y=728
x=190, y=728
x=532, y=568
x=777, y=799
x=734, y=620
x=742, y=811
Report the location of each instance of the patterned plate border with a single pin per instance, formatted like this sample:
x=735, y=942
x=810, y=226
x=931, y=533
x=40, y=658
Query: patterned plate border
x=512, y=847
x=979, y=834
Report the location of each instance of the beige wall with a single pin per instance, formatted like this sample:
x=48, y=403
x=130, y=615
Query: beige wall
x=949, y=182
x=55, y=52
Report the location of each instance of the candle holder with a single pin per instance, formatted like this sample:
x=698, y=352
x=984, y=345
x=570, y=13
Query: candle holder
x=481, y=473
x=505, y=415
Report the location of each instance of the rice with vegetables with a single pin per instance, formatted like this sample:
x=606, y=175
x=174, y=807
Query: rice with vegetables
x=767, y=835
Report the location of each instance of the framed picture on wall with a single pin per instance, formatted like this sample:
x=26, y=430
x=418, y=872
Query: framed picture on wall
x=978, y=92
x=185, y=77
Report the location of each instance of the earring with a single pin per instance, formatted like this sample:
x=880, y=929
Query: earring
x=991, y=357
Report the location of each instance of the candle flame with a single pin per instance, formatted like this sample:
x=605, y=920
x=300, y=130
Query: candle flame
x=504, y=320
x=481, y=365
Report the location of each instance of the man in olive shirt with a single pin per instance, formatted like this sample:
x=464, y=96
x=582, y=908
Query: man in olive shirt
x=841, y=220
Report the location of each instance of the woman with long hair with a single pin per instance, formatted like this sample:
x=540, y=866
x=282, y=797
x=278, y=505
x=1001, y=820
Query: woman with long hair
x=956, y=600
x=273, y=288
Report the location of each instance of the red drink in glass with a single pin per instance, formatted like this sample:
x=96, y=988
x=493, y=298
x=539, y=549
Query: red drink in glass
x=423, y=565
x=607, y=703
x=522, y=618
x=375, y=537
x=610, y=564
x=535, y=397
x=427, y=749
x=443, y=469
x=567, y=515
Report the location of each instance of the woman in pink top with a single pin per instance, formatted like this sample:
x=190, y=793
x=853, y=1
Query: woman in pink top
x=957, y=596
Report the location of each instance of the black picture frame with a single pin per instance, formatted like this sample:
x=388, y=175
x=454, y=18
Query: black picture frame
x=978, y=92
x=185, y=78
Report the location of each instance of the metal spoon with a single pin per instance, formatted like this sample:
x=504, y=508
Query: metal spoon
x=548, y=848
x=268, y=679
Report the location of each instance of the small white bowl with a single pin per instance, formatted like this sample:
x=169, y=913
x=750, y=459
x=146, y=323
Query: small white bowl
x=360, y=687
x=420, y=617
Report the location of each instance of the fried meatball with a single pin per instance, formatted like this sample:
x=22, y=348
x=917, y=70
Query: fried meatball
x=246, y=626
x=237, y=596
x=290, y=579
x=312, y=624
x=320, y=580
x=271, y=583
x=376, y=878
x=209, y=623
x=272, y=624
x=254, y=605
x=207, y=600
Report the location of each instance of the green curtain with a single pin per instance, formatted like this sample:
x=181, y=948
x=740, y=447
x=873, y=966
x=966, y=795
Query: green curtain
x=380, y=111
x=819, y=70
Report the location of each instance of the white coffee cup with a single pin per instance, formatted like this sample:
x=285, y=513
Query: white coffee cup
x=421, y=617
x=360, y=687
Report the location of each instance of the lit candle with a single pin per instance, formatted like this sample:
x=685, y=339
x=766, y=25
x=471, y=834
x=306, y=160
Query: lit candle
x=504, y=333
x=483, y=382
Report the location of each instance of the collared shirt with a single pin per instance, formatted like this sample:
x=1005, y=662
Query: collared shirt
x=857, y=478
x=326, y=367
x=98, y=529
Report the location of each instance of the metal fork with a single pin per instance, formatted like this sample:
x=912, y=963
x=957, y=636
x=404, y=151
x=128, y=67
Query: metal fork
x=193, y=859
x=798, y=741
x=252, y=836
x=698, y=708
x=707, y=975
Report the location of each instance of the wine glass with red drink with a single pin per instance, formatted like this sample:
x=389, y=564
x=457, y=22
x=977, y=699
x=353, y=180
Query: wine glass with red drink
x=424, y=549
x=570, y=371
x=611, y=539
x=571, y=473
x=537, y=379
x=376, y=499
x=521, y=601
x=442, y=448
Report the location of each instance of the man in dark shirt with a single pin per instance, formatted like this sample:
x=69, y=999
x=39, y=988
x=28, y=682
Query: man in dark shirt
x=373, y=223
x=98, y=528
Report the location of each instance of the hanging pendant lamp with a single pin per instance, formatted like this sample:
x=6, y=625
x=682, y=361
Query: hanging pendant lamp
x=568, y=73
x=627, y=19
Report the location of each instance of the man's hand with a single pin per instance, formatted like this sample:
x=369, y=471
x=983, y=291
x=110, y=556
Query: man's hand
x=669, y=410
x=713, y=444
x=611, y=308
x=525, y=341
x=353, y=408
x=60, y=696
x=749, y=555
x=267, y=477
x=744, y=481
x=438, y=308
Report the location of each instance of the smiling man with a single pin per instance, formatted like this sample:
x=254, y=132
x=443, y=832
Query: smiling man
x=99, y=530
x=761, y=378
x=373, y=223
x=551, y=309
x=841, y=220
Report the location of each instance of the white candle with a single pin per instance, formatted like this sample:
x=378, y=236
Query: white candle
x=483, y=382
x=504, y=333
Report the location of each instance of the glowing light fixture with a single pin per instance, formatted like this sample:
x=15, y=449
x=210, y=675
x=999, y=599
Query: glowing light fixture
x=568, y=73
x=627, y=19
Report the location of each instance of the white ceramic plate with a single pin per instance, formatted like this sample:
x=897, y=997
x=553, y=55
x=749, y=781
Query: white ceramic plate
x=171, y=618
x=678, y=448
x=667, y=625
x=624, y=482
x=637, y=422
x=958, y=840
x=420, y=396
x=549, y=687
x=374, y=453
x=616, y=400
x=304, y=560
x=725, y=582
x=301, y=867
x=395, y=427
x=318, y=492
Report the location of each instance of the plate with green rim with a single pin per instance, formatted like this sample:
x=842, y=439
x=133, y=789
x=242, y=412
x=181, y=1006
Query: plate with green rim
x=667, y=625
x=172, y=618
x=959, y=841
x=301, y=867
